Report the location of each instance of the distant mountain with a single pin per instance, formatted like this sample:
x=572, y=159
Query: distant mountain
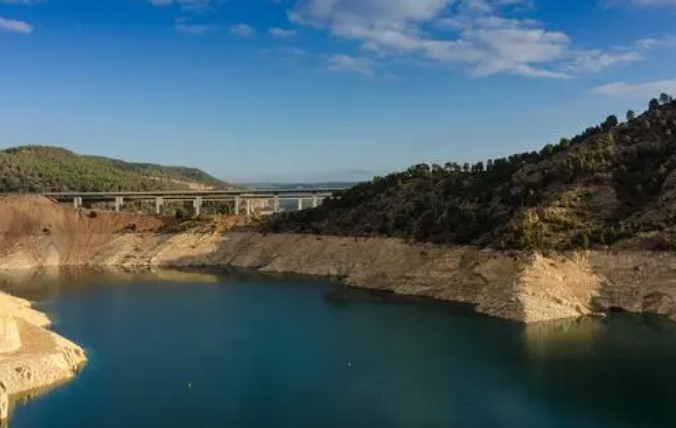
x=613, y=185
x=46, y=168
x=300, y=186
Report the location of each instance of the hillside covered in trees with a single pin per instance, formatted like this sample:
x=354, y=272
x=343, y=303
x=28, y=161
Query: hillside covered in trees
x=612, y=185
x=44, y=168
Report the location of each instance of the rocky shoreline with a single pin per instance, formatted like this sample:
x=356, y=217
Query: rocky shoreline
x=31, y=356
x=520, y=286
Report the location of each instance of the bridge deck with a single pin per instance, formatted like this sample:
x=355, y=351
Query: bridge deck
x=247, y=193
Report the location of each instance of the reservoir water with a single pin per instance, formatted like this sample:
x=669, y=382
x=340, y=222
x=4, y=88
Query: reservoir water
x=255, y=351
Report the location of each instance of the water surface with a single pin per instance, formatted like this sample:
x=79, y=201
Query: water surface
x=255, y=351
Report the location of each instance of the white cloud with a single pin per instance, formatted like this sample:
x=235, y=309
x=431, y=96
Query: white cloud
x=637, y=90
x=346, y=63
x=281, y=33
x=13, y=26
x=595, y=60
x=242, y=30
x=477, y=33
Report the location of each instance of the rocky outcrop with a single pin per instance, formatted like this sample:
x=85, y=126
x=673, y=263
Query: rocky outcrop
x=9, y=334
x=636, y=281
x=31, y=356
x=4, y=401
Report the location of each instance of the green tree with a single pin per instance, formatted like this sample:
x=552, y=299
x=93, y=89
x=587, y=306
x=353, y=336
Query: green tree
x=654, y=104
x=610, y=122
x=665, y=98
x=631, y=115
x=548, y=150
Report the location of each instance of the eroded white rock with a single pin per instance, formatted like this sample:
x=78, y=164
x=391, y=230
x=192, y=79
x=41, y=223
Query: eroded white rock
x=10, y=340
x=4, y=401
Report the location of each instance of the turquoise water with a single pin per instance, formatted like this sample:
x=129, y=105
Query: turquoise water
x=252, y=351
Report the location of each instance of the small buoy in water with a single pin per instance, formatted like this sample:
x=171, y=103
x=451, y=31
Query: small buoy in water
x=349, y=364
x=189, y=385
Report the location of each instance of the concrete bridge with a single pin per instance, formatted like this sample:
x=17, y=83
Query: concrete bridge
x=241, y=199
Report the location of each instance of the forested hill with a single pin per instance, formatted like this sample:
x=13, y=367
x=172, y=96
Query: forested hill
x=44, y=168
x=612, y=185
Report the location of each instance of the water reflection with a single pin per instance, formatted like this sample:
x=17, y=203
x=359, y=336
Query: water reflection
x=563, y=338
x=41, y=285
x=622, y=368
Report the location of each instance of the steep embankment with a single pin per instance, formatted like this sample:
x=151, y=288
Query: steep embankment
x=515, y=285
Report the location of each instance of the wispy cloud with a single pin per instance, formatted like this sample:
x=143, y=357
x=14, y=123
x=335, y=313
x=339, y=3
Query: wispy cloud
x=22, y=2
x=281, y=33
x=13, y=26
x=644, y=3
x=484, y=35
x=596, y=60
x=346, y=63
x=194, y=29
x=637, y=90
x=293, y=51
x=187, y=5
x=243, y=30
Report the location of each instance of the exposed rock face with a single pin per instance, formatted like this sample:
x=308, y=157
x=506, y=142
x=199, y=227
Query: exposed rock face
x=31, y=356
x=637, y=281
x=9, y=335
x=4, y=402
x=517, y=286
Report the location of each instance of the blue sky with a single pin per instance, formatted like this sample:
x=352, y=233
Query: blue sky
x=323, y=89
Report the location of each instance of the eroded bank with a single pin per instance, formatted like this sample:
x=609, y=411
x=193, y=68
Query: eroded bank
x=527, y=287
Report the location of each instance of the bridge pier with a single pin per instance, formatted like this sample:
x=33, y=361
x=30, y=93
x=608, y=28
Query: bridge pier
x=77, y=202
x=159, y=203
x=248, y=207
x=238, y=202
x=197, y=203
x=315, y=201
x=300, y=204
x=119, y=201
x=275, y=207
